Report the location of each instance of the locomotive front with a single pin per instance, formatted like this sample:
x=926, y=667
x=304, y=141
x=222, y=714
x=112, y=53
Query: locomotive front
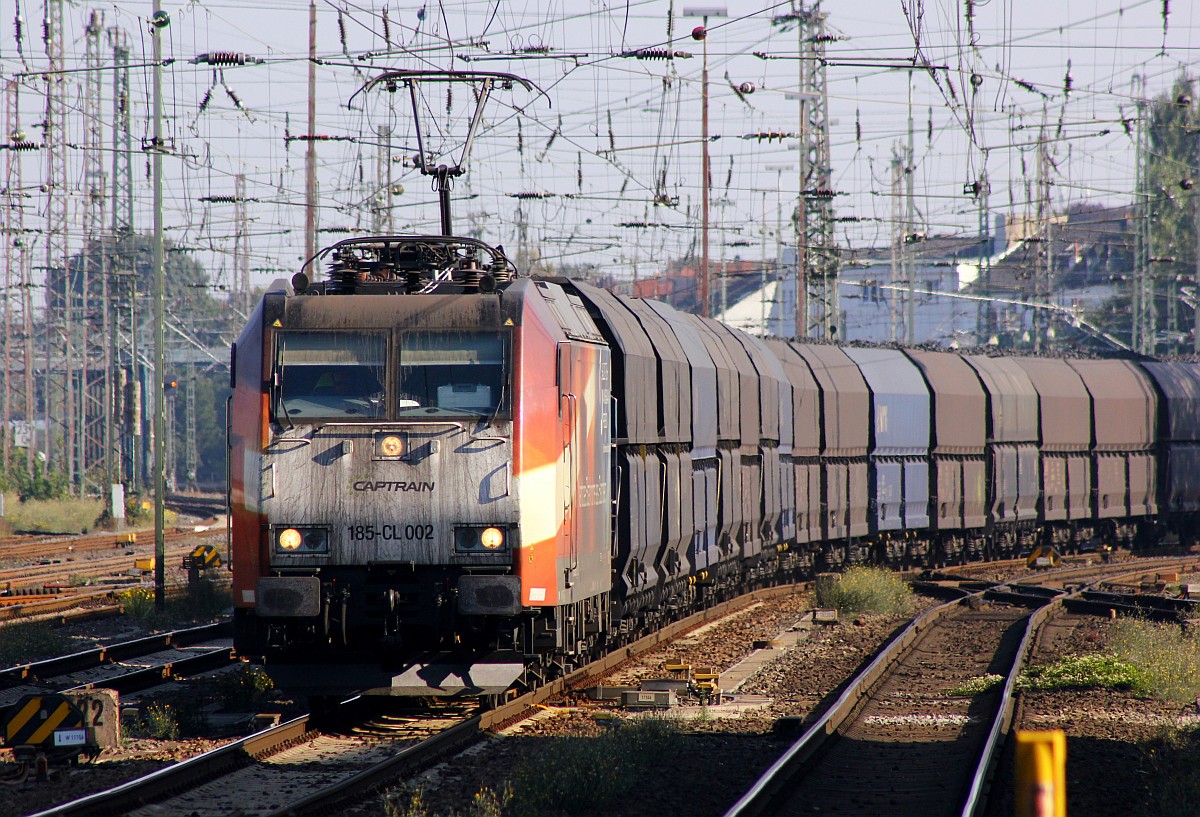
x=419, y=465
x=375, y=522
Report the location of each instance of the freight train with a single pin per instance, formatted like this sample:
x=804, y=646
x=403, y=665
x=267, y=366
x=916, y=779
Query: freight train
x=448, y=479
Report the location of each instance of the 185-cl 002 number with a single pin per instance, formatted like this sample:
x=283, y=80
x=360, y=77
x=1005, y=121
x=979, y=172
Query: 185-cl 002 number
x=408, y=533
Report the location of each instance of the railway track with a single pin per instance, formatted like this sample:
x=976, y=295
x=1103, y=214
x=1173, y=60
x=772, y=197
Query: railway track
x=340, y=765
x=61, y=573
x=898, y=728
x=924, y=751
x=371, y=755
x=127, y=667
x=37, y=547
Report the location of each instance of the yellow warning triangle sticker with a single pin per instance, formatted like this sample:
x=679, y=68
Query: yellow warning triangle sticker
x=277, y=323
x=508, y=322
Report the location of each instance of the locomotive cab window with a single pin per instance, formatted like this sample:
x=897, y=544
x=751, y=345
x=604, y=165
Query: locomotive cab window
x=330, y=375
x=452, y=373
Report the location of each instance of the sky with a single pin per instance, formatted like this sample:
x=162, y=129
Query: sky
x=602, y=166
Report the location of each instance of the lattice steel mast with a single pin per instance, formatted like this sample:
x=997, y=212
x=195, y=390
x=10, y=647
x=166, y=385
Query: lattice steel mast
x=817, y=310
x=58, y=329
x=95, y=440
x=18, y=388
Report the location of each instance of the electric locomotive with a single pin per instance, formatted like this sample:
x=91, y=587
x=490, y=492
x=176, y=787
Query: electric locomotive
x=419, y=473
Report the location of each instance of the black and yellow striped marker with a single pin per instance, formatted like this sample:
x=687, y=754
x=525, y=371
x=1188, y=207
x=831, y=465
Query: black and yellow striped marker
x=34, y=719
x=202, y=558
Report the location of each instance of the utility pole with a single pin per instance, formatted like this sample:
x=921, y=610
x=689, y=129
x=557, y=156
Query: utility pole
x=705, y=178
x=1144, y=326
x=701, y=33
x=381, y=204
x=894, y=296
x=1045, y=247
x=310, y=155
x=985, y=322
x=158, y=21
x=241, y=247
x=191, y=456
x=910, y=227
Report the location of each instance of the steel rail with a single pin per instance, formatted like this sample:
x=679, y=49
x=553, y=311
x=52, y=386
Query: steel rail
x=185, y=774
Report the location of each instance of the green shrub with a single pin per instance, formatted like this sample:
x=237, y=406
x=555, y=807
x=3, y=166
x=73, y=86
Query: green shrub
x=138, y=603
x=157, y=720
x=1082, y=672
x=203, y=601
x=582, y=774
x=866, y=590
x=170, y=717
x=52, y=515
x=43, y=482
x=1167, y=658
x=27, y=641
x=244, y=687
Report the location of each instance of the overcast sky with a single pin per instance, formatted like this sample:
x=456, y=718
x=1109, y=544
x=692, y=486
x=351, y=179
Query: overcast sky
x=611, y=133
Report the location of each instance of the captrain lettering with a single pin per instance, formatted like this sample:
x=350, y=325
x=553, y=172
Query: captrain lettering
x=407, y=487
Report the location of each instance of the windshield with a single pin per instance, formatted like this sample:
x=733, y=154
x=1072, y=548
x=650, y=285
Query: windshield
x=345, y=375
x=452, y=373
x=332, y=374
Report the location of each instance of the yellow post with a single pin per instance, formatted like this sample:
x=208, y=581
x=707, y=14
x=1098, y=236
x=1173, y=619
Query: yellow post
x=1041, y=773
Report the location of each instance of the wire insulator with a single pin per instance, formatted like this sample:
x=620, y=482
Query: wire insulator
x=224, y=58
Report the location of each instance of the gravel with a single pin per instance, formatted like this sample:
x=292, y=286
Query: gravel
x=722, y=752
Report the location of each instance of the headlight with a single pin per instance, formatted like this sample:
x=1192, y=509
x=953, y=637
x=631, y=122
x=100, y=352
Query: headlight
x=491, y=538
x=481, y=539
x=290, y=539
x=391, y=446
x=301, y=540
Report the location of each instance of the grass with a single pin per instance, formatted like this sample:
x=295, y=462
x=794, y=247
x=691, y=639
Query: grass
x=411, y=803
x=204, y=601
x=157, y=720
x=52, y=515
x=1097, y=670
x=582, y=775
x=1153, y=660
x=1168, y=659
x=975, y=686
x=866, y=590
x=31, y=641
x=169, y=717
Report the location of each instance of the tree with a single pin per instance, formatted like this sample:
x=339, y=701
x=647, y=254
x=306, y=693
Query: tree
x=1172, y=162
